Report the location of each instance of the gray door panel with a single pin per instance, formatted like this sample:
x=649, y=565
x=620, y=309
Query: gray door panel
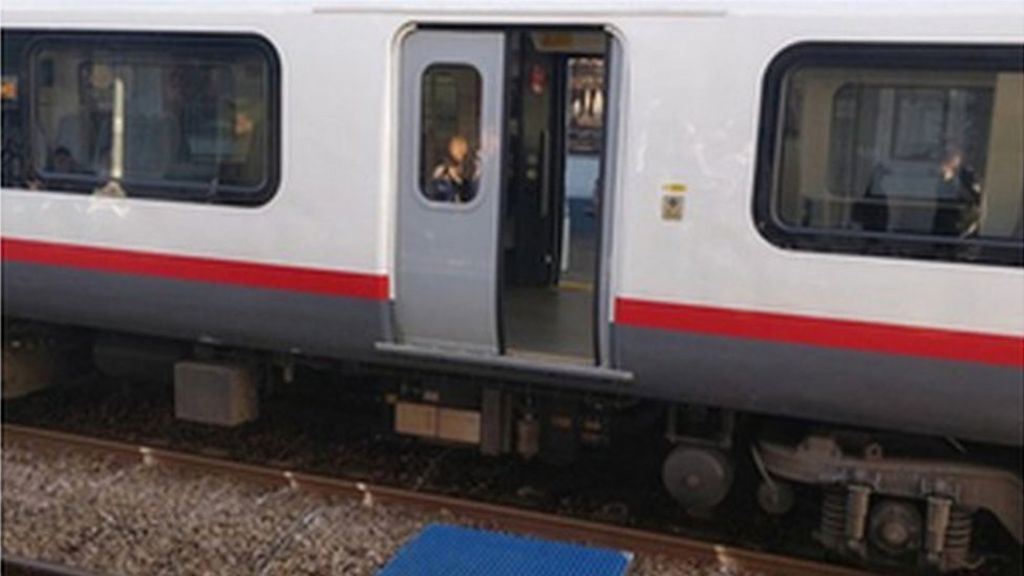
x=446, y=265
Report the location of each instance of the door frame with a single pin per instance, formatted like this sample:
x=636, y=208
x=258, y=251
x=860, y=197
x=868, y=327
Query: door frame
x=607, y=259
x=607, y=219
x=606, y=267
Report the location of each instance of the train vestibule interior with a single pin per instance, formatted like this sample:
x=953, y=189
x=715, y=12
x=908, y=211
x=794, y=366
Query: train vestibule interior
x=554, y=155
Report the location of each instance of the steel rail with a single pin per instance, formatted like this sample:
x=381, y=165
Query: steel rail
x=13, y=565
x=505, y=517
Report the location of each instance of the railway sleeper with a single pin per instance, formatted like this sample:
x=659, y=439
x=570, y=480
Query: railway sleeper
x=899, y=506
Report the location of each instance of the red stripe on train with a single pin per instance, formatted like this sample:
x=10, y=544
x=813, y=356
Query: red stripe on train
x=845, y=334
x=290, y=278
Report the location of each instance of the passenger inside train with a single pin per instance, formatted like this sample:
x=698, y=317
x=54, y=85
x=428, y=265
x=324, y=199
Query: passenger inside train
x=960, y=182
x=457, y=175
x=910, y=153
x=63, y=161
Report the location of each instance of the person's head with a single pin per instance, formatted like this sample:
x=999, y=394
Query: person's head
x=458, y=149
x=94, y=83
x=62, y=161
x=953, y=159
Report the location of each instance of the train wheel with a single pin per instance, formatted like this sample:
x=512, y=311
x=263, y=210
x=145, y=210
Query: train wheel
x=699, y=478
x=775, y=498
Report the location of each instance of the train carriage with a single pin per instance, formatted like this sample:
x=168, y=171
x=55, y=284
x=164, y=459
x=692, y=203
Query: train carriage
x=806, y=210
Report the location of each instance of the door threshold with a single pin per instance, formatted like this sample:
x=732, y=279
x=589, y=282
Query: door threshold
x=549, y=357
x=530, y=363
x=574, y=286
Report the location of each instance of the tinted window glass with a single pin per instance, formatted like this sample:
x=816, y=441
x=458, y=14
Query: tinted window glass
x=919, y=158
x=185, y=118
x=15, y=154
x=449, y=163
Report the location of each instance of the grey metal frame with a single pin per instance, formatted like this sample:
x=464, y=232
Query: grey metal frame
x=609, y=175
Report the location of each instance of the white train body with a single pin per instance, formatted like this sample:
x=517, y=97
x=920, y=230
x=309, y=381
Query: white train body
x=702, y=309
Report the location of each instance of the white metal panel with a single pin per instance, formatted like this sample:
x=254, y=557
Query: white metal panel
x=538, y=8
x=692, y=93
x=693, y=118
x=326, y=213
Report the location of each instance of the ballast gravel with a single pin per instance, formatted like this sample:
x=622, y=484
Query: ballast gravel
x=114, y=517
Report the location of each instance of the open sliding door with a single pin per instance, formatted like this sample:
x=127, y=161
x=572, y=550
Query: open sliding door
x=449, y=191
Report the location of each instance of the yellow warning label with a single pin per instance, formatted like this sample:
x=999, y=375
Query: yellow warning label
x=674, y=187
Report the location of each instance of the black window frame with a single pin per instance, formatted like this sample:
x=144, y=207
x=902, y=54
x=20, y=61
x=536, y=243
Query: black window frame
x=879, y=56
x=171, y=191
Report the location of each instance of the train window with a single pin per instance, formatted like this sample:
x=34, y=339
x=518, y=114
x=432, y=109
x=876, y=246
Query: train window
x=450, y=133
x=177, y=117
x=14, y=156
x=900, y=151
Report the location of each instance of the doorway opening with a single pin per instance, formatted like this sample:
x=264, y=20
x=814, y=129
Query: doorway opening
x=551, y=213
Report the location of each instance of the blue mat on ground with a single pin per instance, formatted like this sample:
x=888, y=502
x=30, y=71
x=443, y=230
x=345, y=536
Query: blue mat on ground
x=444, y=550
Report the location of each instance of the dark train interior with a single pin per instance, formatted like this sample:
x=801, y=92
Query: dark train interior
x=555, y=82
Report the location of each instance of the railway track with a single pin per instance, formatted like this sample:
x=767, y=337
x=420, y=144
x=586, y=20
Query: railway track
x=504, y=517
x=18, y=566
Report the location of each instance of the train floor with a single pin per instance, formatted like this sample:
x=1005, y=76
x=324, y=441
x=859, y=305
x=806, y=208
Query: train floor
x=555, y=322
